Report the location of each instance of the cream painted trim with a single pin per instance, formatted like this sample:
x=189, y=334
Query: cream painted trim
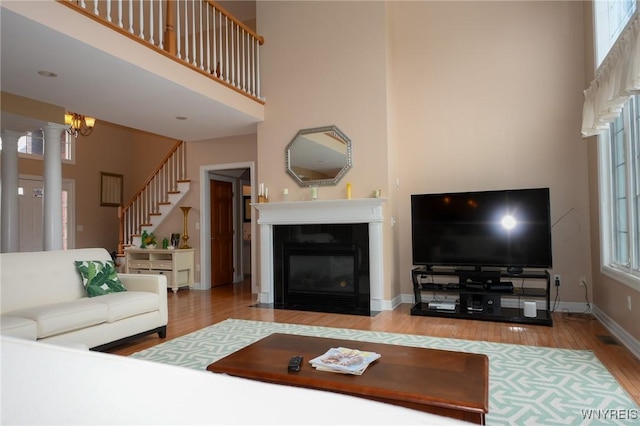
x=605, y=203
x=621, y=334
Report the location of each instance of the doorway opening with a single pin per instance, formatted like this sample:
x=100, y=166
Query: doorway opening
x=235, y=180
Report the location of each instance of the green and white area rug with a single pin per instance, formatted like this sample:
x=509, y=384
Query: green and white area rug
x=527, y=384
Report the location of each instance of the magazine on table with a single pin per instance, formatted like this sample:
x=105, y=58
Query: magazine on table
x=344, y=360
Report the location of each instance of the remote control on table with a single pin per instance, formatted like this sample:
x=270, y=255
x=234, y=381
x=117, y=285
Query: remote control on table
x=295, y=363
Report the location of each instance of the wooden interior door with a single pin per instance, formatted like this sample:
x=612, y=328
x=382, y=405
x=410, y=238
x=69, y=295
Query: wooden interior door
x=221, y=232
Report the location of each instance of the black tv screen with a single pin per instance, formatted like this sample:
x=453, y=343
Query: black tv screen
x=505, y=228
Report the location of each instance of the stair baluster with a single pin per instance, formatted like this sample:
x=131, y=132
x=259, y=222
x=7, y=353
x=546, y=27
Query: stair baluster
x=165, y=180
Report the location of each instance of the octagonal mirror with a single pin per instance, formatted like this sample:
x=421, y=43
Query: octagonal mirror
x=319, y=156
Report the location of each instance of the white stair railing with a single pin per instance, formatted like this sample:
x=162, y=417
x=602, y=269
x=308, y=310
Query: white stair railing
x=152, y=195
x=200, y=33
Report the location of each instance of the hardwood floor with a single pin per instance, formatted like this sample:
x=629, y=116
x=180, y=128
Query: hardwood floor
x=191, y=310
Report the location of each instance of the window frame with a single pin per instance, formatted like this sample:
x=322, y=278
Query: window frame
x=607, y=31
x=625, y=274
x=70, y=142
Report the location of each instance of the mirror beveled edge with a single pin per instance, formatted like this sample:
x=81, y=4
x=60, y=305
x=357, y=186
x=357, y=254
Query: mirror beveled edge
x=319, y=182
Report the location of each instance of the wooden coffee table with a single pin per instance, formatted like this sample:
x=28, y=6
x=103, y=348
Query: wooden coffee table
x=452, y=384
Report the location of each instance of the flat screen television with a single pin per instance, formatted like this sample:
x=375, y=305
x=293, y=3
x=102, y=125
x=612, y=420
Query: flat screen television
x=504, y=228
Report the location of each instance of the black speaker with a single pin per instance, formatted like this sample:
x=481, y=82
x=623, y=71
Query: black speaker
x=491, y=304
x=486, y=303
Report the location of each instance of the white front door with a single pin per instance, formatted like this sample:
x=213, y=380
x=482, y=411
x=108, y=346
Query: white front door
x=31, y=219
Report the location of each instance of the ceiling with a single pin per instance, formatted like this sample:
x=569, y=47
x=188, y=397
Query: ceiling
x=95, y=82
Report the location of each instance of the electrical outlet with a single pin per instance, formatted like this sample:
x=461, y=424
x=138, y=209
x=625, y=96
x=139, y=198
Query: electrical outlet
x=556, y=280
x=582, y=282
x=629, y=302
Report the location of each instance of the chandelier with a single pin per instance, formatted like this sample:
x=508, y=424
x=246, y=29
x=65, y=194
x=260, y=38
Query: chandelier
x=79, y=124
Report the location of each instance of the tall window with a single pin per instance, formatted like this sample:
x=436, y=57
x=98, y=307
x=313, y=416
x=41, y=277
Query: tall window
x=619, y=145
x=620, y=185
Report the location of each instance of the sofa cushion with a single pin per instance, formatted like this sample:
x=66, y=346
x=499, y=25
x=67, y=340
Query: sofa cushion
x=123, y=305
x=66, y=316
x=99, y=277
x=23, y=328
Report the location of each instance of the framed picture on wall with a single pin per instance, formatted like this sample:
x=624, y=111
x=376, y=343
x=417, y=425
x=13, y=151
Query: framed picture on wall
x=110, y=189
x=246, y=208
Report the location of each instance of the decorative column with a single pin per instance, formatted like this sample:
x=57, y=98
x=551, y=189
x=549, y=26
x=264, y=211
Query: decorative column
x=52, y=209
x=10, y=223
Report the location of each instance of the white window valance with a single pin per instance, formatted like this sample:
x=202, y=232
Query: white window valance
x=616, y=80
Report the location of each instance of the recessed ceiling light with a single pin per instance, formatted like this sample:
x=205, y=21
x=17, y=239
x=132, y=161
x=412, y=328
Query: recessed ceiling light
x=47, y=73
x=181, y=118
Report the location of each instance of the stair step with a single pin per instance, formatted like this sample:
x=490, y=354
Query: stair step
x=153, y=211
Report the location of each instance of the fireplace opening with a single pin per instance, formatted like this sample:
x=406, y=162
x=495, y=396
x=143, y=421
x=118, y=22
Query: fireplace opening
x=324, y=274
x=321, y=276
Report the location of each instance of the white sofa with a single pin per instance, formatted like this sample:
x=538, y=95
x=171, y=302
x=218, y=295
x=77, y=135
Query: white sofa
x=39, y=388
x=43, y=298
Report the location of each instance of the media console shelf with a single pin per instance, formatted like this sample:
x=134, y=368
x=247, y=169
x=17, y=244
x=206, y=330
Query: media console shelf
x=483, y=295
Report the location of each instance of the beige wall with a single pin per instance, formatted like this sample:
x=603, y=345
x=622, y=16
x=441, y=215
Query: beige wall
x=236, y=149
x=135, y=154
x=22, y=106
x=436, y=96
x=113, y=149
x=325, y=66
x=493, y=100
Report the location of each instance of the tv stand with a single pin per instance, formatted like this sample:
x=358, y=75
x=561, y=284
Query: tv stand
x=492, y=295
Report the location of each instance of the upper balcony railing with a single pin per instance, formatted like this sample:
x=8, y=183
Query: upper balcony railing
x=200, y=33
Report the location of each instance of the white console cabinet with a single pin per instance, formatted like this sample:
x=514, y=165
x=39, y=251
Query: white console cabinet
x=177, y=265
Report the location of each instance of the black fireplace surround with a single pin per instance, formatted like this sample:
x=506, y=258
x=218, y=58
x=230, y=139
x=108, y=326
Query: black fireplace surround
x=323, y=268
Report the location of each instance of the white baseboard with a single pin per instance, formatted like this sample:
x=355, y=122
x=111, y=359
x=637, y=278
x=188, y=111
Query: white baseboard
x=620, y=333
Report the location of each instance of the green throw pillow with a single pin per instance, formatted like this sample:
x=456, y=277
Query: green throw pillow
x=99, y=277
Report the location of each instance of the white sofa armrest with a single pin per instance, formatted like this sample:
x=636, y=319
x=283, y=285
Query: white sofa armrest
x=152, y=284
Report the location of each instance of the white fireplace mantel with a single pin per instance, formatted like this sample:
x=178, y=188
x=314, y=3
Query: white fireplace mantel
x=364, y=210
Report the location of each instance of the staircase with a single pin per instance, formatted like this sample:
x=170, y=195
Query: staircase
x=157, y=197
